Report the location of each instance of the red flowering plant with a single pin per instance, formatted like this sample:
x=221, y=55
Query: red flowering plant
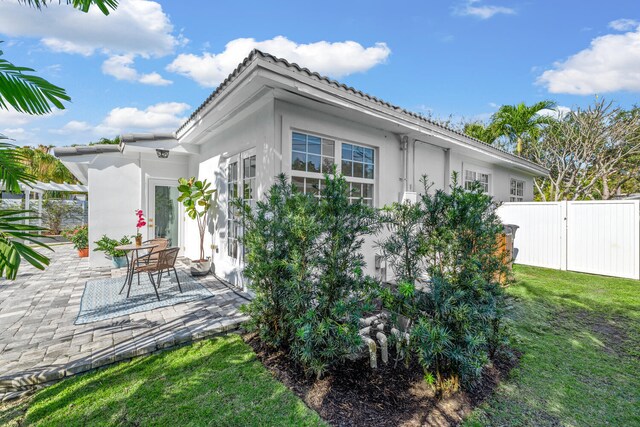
x=141, y=221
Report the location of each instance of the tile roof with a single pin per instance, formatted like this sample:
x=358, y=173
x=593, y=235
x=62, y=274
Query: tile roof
x=85, y=149
x=334, y=83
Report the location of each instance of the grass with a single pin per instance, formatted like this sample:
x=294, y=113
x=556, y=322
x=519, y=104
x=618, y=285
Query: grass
x=580, y=339
x=214, y=382
x=579, y=336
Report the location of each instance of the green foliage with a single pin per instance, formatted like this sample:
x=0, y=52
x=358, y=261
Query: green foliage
x=105, y=6
x=197, y=198
x=14, y=237
x=79, y=236
x=43, y=166
x=108, y=245
x=456, y=317
x=280, y=237
x=478, y=130
x=12, y=167
x=305, y=267
x=55, y=211
x=521, y=124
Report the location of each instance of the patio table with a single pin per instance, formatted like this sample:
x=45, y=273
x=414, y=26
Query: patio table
x=130, y=263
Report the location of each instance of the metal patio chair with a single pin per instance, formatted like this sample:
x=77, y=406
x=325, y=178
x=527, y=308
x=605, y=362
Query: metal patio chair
x=157, y=262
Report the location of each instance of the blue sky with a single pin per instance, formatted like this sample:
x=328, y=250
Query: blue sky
x=149, y=64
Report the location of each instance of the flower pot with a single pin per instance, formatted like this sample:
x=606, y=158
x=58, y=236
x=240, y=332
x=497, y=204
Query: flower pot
x=138, y=240
x=200, y=268
x=83, y=253
x=119, y=261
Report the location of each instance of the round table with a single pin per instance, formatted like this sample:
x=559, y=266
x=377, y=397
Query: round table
x=130, y=264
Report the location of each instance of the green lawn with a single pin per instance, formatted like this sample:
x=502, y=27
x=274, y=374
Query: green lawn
x=214, y=382
x=580, y=338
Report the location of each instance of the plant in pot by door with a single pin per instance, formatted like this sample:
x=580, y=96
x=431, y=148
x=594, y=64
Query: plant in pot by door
x=79, y=236
x=141, y=223
x=197, y=196
x=108, y=246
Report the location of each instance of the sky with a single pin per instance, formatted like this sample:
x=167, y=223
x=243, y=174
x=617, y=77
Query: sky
x=148, y=65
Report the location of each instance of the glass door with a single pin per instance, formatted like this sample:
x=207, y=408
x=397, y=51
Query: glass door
x=164, y=213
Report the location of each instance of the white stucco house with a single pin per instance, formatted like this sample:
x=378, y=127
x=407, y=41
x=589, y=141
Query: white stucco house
x=270, y=116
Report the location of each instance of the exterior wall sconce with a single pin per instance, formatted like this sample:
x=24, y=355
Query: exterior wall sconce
x=162, y=154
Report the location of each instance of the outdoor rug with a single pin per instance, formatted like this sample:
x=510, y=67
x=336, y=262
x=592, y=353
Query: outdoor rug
x=101, y=300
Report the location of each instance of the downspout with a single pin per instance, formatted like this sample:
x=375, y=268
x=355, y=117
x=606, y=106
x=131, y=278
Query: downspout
x=404, y=147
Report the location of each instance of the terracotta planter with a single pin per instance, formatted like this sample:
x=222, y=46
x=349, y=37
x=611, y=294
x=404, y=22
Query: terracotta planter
x=83, y=253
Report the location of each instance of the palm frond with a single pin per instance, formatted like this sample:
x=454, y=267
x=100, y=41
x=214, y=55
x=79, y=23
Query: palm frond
x=83, y=5
x=13, y=235
x=12, y=168
x=27, y=93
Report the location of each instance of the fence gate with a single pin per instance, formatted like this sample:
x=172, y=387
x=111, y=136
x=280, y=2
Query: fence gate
x=599, y=237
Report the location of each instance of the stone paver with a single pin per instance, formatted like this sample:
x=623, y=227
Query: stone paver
x=39, y=342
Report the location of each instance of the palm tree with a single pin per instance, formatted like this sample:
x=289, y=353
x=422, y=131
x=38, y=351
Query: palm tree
x=478, y=130
x=26, y=93
x=521, y=123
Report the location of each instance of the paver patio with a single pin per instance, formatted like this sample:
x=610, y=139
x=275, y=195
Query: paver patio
x=39, y=341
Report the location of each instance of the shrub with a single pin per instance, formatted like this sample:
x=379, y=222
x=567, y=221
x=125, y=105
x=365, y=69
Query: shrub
x=457, y=319
x=79, y=236
x=328, y=331
x=305, y=268
x=280, y=238
x=55, y=211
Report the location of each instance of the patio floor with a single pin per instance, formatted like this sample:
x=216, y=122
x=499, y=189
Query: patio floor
x=40, y=343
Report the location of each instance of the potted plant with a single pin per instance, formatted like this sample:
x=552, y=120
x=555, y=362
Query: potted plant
x=79, y=236
x=108, y=246
x=141, y=223
x=197, y=197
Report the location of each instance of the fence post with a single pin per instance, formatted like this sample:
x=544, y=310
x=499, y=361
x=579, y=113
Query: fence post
x=564, y=255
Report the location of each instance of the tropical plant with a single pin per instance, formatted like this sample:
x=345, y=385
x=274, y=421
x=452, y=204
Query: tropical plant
x=45, y=167
x=108, y=245
x=197, y=198
x=328, y=332
x=455, y=317
x=280, y=237
x=79, y=236
x=140, y=222
x=522, y=124
x=15, y=233
x=484, y=132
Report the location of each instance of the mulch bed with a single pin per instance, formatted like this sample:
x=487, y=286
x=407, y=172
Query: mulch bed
x=356, y=395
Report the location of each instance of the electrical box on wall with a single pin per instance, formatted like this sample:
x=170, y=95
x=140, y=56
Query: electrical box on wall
x=409, y=196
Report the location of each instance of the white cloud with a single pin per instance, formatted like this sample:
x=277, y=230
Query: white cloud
x=15, y=119
x=559, y=112
x=136, y=27
x=624, y=24
x=334, y=59
x=121, y=67
x=609, y=64
x=74, y=126
x=165, y=116
x=474, y=8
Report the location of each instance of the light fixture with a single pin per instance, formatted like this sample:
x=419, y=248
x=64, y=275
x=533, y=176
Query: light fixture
x=162, y=154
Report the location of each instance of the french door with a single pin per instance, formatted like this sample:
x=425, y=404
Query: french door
x=163, y=216
x=241, y=186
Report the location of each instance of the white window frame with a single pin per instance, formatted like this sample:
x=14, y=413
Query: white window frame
x=478, y=170
x=516, y=197
x=239, y=160
x=338, y=143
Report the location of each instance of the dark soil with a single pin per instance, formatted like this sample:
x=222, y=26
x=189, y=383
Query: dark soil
x=356, y=395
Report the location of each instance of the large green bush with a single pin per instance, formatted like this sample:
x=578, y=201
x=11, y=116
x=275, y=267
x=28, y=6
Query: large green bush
x=306, y=270
x=451, y=238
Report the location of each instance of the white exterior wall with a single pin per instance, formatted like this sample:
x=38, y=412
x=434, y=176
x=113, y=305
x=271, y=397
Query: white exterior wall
x=254, y=132
x=499, y=177
x=119, y=185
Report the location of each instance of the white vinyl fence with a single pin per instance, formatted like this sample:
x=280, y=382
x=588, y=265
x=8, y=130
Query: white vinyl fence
x=599, y=237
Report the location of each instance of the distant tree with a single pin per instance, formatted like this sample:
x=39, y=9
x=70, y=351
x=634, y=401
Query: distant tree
x=108, y=141
x=591, y=153
x=45, y=167
x=484, y=132
x=522, y=124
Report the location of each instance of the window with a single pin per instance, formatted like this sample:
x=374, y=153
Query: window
x=472, y=176
x=232, y=214
x=357, y=161
x=516, y=190
x=241, y=184
x=312, y=156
